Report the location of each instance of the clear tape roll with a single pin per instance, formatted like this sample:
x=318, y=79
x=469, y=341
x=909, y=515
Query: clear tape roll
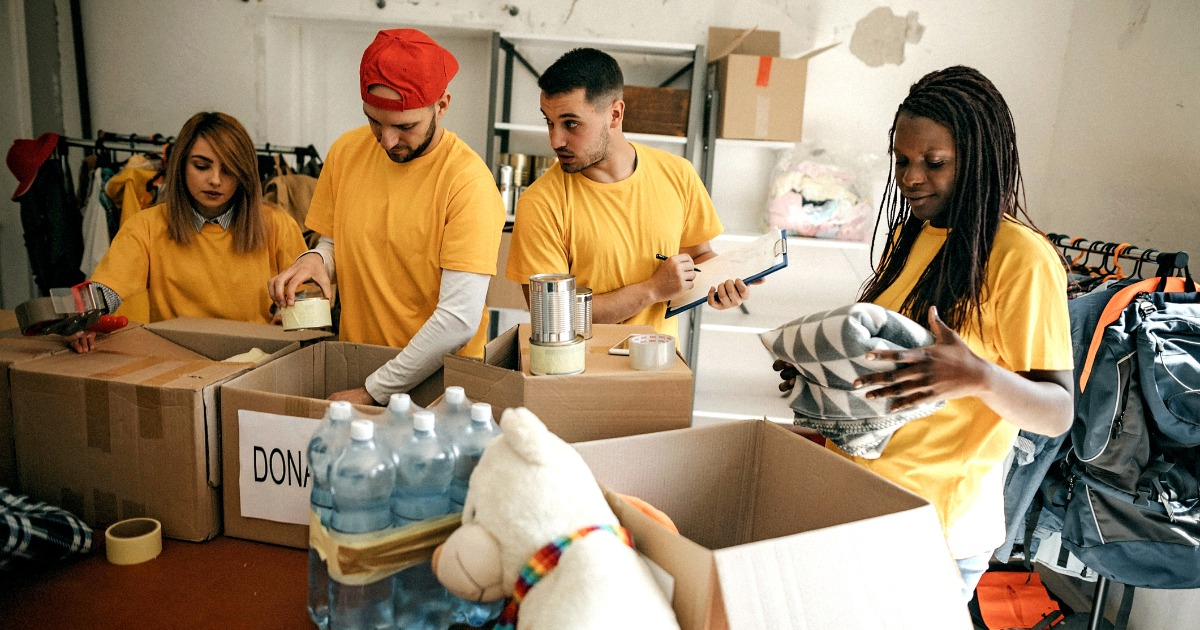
x=651, y=352
x=133, y=541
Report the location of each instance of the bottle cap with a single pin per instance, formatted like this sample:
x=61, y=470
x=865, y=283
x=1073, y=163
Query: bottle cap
x=340, y=410
x=481, y=412
x=362, y=430
x=455, y=395
x=423, y=421
x=400, y=403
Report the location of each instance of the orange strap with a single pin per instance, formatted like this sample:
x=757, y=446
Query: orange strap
x=1117, y=304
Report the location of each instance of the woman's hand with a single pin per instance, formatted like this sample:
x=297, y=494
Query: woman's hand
x=83, y=341
x=947, y=369
x=787, y=372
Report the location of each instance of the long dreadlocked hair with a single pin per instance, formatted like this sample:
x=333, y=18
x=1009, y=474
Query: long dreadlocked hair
x=987, y=187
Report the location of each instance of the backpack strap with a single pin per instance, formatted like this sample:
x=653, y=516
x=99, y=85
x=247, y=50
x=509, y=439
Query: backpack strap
x=1116, y=305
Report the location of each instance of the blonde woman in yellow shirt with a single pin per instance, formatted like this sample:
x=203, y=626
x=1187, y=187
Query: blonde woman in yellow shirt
x=211, y=247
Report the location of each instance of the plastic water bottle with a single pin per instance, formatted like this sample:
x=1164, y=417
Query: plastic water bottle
x=470, y=440
x=424, y=470
x=326, y=444
x=422, y=603
x=454, y=412
x=398, y=425
x=361, y=482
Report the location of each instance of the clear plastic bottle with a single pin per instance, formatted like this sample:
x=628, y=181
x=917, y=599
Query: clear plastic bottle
x=327, y=442
x=424, y=470
x=422, y=603
x=470, y=440
x=361, y=482
x=454, y=412
x=398, y=424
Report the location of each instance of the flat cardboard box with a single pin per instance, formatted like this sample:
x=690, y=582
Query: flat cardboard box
x=285, y=394
x=609, y=399
x=777, y=532
x=130, y=429
x=13, y=350
x=761, y=95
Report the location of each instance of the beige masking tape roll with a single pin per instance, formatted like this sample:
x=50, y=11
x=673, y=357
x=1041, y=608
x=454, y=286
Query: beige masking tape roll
x=557, y=359
x=133, y=541
x=307, y=313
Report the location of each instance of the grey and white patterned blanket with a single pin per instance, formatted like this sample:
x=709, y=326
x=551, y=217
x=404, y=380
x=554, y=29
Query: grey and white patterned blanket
x=828, y=350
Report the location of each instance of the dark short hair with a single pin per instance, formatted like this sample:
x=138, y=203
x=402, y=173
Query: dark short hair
x=594, y=71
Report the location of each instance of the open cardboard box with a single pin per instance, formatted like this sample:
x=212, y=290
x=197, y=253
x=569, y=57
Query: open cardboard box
x=130, y=429
x=777, y=532
x=609, y=399
x=761, y=95
x=267, y=418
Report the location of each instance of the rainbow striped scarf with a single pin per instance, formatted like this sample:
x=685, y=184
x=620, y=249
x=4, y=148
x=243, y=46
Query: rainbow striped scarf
x=542, y=562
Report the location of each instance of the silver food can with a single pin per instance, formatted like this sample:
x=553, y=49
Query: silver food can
x=507, y=189
x=551, y=301
x=583, y=312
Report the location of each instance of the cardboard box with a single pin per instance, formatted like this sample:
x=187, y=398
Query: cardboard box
x=776, y=532
x=502, y=292
x=267, y=418
x=609, y=399
x=130, y=429
x=761, y=95
x=13, y=350
x=658, y=110
x=8, y=320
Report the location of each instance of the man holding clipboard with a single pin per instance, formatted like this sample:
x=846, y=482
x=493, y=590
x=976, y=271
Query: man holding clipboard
x=609, y=206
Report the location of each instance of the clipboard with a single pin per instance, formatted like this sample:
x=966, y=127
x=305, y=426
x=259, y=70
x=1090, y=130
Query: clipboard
x=749, y=261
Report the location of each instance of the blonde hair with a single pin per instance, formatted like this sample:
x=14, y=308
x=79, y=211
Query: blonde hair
x=235, y=150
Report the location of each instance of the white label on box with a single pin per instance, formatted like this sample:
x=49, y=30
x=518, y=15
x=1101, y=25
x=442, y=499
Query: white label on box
x=274, y=477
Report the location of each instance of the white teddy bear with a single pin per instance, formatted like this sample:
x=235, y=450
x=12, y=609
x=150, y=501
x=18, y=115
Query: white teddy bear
x=531, y=492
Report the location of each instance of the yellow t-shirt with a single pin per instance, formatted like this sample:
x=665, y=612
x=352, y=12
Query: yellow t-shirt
x=607, y=234
x=205, y=278
x=944, y=456
x=395, y=227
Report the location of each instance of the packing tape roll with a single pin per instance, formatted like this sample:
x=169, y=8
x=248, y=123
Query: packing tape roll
x=307, y=313
x=651, y=352
x=557, y=359
x=133, y=541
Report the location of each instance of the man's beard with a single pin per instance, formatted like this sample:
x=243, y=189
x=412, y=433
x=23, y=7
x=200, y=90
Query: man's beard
x=417, y=152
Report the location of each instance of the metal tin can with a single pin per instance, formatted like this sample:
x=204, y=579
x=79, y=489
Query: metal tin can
x=507, y=189
x=583, y=312
x=551, y=298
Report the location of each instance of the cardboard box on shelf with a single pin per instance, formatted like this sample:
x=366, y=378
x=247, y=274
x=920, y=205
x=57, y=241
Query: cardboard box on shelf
x=776, y=532
x=657, y=110
x=609, y=399
x=760, y=94
x=130, y=429
x=13, y=350
x=267, y=418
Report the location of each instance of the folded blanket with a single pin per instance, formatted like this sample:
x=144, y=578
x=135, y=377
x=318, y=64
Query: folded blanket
x=827, y=349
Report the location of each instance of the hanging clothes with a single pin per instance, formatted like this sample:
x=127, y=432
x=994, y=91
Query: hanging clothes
x=95, y=224
x=293, y=192
x=50, y=216
x=128, y=189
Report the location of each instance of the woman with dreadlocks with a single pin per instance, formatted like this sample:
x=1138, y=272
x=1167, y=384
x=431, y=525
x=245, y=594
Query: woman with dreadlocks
x=993, y=291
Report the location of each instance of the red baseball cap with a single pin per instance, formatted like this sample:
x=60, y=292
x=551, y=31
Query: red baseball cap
x=26, y=156
x=409, y=62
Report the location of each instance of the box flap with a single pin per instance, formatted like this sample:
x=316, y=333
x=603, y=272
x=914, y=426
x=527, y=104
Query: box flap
x=723, y=42
x=230, y=328
x=814, y=52
x=139, y=341
x=8, y=320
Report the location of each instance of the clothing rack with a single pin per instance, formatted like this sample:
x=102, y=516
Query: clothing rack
x=134, y=143
x=1169, y=263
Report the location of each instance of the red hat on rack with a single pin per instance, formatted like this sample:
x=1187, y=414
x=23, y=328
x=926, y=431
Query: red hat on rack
x=26, y=156
x=409, y=62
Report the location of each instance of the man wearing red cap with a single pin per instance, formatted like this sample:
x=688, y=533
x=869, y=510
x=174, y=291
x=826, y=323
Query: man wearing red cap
x=609, y=206
x=416, y=218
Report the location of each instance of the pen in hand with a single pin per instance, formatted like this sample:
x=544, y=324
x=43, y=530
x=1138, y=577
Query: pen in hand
x=661, y=257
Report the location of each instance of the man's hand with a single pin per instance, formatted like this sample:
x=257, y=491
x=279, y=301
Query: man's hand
x=83, y=341
x=358, y=395
x=728, y=294
x=674, y=276
x=309, y=267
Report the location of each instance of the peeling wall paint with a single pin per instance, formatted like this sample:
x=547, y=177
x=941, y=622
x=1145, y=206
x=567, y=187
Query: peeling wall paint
x=879, y=37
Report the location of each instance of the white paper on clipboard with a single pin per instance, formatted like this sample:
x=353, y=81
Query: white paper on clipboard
x=748, y=261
